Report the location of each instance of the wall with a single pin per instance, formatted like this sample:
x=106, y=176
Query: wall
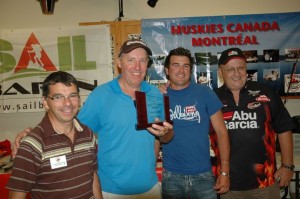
x=28, y=14
x=19, y=14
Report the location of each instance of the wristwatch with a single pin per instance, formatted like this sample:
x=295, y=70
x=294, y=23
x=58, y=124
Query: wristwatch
x=224, y=174
x=288, y=167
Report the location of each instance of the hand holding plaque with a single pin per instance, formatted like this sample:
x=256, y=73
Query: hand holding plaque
x=150, y=108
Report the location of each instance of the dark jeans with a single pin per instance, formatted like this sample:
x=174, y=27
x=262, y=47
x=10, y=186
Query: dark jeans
x=177, y=186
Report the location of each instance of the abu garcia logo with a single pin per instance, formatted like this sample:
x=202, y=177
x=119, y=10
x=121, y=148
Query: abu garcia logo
x=242, y=120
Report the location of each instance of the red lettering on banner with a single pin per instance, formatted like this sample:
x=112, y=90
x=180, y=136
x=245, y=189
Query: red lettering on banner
x=253, y=27
x=197, y=29
x=230, y=40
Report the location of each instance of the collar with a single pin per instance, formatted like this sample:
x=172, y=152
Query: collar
x=244, y=89
x=48, y=129
x=184, y=90
x=76, y=125
x=145, y=87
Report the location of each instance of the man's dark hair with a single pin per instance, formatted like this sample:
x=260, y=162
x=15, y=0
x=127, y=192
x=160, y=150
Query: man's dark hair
x=58, y=77
x=180, y=51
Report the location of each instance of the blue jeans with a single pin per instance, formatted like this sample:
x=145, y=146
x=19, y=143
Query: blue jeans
x=178, y=186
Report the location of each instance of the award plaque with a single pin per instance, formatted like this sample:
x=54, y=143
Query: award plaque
x=150, y=108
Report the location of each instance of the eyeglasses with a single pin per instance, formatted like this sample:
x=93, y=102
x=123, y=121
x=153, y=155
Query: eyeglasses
x=62, y=98
x=240, y=69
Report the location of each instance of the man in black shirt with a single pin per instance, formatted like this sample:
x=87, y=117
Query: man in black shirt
x=254, y=114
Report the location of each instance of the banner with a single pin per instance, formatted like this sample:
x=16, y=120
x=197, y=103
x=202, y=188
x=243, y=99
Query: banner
x=270, y=42
x=28, y=56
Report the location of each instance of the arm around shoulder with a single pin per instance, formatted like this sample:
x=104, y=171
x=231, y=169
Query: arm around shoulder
x=18, y=139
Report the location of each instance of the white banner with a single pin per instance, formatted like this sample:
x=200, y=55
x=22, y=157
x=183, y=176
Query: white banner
x=28, y=56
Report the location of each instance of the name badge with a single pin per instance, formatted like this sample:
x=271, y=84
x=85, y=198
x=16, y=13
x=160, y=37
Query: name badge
x=58, y=162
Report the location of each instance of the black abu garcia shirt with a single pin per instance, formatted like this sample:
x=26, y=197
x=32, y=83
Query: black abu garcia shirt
x=252, y=126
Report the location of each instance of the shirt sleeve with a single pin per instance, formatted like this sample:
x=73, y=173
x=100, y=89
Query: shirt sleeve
x=213, y=102
x=26, y=166
x=281, y=119
x=88, y=113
